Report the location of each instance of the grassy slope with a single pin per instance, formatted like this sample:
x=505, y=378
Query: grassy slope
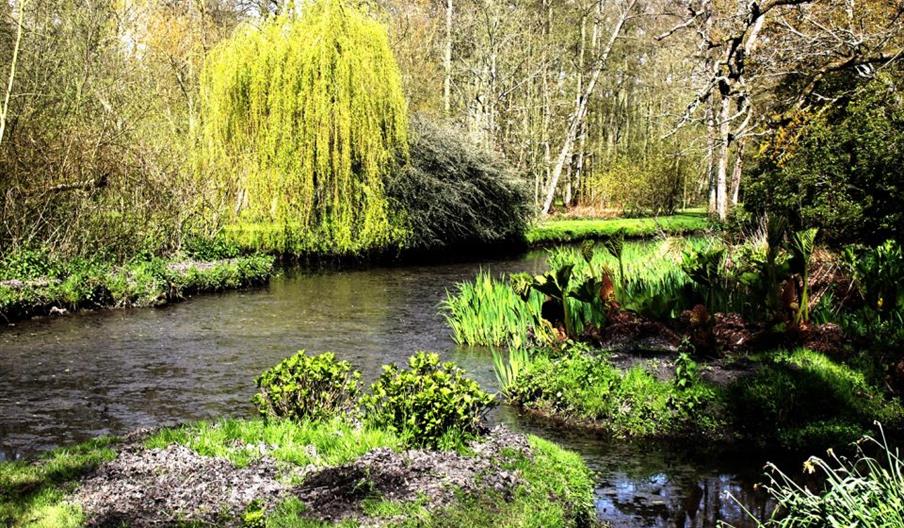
x=566, y=230
x=557, y=490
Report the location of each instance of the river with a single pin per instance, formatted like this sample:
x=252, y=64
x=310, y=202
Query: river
x=68, y=379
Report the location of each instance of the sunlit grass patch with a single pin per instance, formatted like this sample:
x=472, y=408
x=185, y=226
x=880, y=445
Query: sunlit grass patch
x=328, y=443
x=550, y=231
x=33, y=493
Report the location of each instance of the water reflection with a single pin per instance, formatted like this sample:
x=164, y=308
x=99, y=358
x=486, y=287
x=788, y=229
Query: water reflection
x=66, y=380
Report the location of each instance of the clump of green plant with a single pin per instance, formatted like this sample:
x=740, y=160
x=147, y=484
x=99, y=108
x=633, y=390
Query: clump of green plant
x=311, y=388
x=430, y=404
x=866, y=490
x=489, y=312
x=588, y=389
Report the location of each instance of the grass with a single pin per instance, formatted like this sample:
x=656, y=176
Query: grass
x=802, y=398
x=556, y=491
x=330, y=443
x=794, y=400
x=33, y=494
x=562, y=230
x=588, y=390
x=34, y=282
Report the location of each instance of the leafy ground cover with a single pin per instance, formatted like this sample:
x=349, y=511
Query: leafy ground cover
x=571, y=230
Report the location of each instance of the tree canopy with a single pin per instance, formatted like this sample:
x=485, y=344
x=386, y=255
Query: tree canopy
x=303, y=117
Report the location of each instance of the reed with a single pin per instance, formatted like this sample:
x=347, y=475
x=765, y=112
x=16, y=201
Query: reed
x=488, y=312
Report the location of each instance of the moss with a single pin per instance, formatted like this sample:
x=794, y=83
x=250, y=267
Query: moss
x=554, y=231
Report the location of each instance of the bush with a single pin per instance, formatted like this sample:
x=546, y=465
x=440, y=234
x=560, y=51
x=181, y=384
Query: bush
x=305, y=387
x=839, y=170
x=453, y=192
x=431, y=404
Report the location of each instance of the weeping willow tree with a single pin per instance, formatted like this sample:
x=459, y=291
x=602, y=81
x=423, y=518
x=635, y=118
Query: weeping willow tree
x=304, y=116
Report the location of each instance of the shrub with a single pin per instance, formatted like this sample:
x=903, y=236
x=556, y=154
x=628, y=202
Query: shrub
x=453, y=192
x=305, y=387
x=430, y=404
x=840, y=169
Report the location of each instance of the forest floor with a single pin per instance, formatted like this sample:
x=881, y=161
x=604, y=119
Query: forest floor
x=561, y=230
x=251, y=473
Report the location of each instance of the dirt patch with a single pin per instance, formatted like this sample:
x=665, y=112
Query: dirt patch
x=161, y=487
x=337, y=494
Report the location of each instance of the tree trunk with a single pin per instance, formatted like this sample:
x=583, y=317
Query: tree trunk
x=447, y=62
x=581, y=113
x=4, y=112
x=736, y=172
x=724, y=145
x=711, y=158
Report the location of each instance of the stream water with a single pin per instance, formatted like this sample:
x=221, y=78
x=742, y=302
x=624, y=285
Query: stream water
x=69, y=379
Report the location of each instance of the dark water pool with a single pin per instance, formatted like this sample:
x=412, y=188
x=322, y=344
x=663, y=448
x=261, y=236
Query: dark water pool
x=69, y=379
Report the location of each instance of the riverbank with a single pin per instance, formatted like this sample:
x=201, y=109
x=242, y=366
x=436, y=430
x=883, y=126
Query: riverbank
x=281, y=473
x=33, y=284
x=796, y=401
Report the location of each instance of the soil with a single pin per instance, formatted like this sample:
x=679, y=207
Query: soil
x=145, y=487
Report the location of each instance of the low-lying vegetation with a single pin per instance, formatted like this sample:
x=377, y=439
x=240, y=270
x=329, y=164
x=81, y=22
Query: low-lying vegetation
x=732, y=308
x=865, y=490
x=574, y=230
x=416, y=455
x=32, y=282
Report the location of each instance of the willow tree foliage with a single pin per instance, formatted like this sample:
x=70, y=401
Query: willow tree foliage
x=303, y=118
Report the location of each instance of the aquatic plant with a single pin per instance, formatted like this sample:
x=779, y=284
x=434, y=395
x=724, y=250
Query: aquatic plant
x=304, y=116
x=489, y=312
x=307, y=388
x=429, y=404
x=509, y=370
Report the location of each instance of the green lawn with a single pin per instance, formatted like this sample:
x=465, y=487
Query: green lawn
x=567, y=230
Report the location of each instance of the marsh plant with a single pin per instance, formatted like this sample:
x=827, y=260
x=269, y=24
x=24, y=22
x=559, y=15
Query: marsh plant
x=488, y=312
x=866, y=490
